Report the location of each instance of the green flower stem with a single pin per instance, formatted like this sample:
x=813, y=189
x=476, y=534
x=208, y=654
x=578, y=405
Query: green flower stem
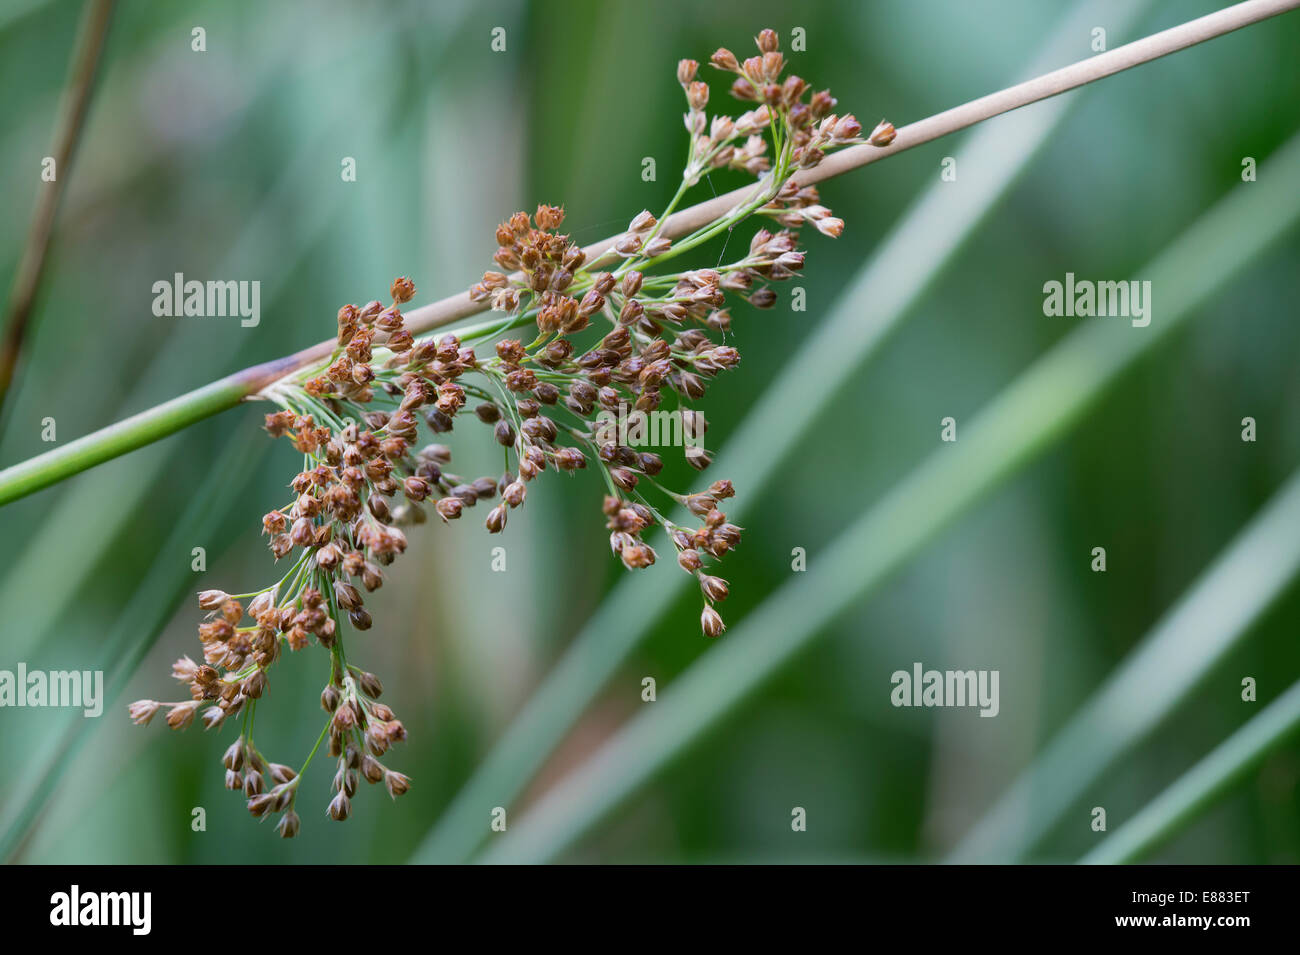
x=127, y=435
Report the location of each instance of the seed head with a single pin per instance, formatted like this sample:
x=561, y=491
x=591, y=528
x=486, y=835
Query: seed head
x=711, y=622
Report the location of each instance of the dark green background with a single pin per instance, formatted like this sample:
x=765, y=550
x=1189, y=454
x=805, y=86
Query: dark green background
x=225, y=165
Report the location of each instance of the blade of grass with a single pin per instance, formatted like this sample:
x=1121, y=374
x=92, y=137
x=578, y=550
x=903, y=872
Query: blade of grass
x=1198, y=788
x=139, y=625
x=1161, y=672
x=53, y=466
x=1023, y=421
x=907, y=261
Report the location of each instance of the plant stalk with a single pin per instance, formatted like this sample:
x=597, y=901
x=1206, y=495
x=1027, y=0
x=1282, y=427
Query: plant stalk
x=156, y=423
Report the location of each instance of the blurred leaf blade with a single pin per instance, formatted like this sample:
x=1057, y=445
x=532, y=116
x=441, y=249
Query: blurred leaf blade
x=1047, y=400
x=897, y=275
x=1180, y=651
x=1198, y=788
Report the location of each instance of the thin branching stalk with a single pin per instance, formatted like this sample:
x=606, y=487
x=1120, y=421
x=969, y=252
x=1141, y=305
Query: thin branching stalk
x=156, y=423
x=81, y=83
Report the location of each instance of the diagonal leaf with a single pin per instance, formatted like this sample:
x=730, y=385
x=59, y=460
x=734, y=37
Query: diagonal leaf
x=907, y=261
x=1201, y=785
x=1030, y=414
x=142, y=620
x=1187, y=643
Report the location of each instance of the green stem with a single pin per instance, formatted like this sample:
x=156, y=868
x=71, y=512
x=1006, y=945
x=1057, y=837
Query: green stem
x=117, y=439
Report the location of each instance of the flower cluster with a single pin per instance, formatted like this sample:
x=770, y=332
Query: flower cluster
x=618, y=339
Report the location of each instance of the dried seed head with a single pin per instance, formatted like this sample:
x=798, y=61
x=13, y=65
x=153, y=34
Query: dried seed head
x=883, y=134
x=724, y=59
x=549, y=218
x=260, y=805
x=142, y=711
x=697, y=95
x=288, y=825
x=212, y=599
x=371, y=769
x=711, y=622
x=396, y=783
x=715, y=588
x=340, y=807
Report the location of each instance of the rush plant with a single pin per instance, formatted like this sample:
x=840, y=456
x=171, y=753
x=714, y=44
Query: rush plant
x=625, y=332
x=633, y=325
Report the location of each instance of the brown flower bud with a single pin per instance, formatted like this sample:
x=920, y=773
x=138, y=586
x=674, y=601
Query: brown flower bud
x=142, y=711
x=715, y=588
x=883, y=134
x=724, y=59
x=549, y=218
x=288, y=825
x=397, y=783
x=260, y=805
x=624, y=478
x=340, y=807
x=348, y=597
x=212, y=599
x=711, y=622
x=697, y=95
x=371, y=769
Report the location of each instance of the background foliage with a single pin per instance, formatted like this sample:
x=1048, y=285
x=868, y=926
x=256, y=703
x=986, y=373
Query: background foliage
x=226, y=165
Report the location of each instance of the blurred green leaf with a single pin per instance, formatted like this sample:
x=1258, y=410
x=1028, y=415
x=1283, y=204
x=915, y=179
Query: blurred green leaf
x=1034, y=411
x=1201, y=785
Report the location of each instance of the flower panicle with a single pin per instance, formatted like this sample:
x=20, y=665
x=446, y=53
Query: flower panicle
x=617, y=343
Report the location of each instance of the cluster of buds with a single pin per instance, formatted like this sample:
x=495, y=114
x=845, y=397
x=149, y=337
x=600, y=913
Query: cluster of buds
x=616, y=337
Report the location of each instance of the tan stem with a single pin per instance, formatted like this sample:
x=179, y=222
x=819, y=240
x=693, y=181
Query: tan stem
x=151, y=425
